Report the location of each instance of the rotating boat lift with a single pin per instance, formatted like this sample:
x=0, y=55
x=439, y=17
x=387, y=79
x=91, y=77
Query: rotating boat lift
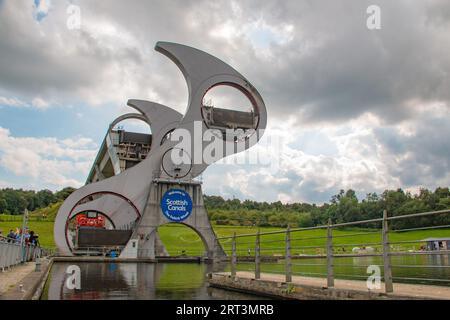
x=157, y=189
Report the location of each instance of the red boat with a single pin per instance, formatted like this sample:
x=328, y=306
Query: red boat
x=90, y=219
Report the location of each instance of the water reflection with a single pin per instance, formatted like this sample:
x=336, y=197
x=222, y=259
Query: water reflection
x=148, y=281
x=416, y=269
x=188, y=280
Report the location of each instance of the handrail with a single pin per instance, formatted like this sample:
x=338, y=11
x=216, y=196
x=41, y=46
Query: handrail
x=329, y=249
x=339, y=225
x=14, y=252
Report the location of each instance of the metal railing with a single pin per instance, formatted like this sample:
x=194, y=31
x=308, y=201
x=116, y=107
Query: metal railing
x=19, y=218
x=332, y=242
x=99, y=250
x=12, y=253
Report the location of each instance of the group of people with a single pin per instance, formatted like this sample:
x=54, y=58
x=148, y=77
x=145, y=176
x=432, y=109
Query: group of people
x=30, y=237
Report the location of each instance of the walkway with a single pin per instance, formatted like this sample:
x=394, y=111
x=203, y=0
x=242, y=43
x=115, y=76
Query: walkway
x=13, y=277
x=343, y=289
x=22, y=282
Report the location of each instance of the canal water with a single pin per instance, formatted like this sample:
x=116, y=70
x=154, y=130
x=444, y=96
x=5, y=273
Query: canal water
x=148, y=281
x=414, y=269
x=187, y=281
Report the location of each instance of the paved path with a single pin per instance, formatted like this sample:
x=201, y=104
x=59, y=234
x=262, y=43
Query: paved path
x=400, y=289
x=32, y=281
x=13, y=277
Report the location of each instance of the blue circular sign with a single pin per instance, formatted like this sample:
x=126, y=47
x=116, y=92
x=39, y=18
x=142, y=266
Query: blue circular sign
x=176, y=205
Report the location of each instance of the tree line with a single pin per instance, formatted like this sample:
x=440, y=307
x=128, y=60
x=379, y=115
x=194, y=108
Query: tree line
x=343, y=207
x=15, y=201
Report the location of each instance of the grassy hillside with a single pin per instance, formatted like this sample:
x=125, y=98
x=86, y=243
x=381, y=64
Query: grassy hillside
x=50, y=211
x=178, y=238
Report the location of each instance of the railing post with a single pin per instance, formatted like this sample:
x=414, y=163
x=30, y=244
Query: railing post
x=22, y=236
x=258, y=256
x=288, y=255
x=215, y=249
x=330, y=271
x=233, y=256
x=386, y=256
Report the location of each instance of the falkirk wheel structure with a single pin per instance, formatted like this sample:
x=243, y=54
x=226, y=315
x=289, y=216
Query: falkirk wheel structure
x=139, y=183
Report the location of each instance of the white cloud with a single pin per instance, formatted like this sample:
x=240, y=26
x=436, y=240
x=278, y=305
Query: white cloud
x=364, y=159
x=12, y=102
x=40, y=103
x=47, y=162
x=37, y=103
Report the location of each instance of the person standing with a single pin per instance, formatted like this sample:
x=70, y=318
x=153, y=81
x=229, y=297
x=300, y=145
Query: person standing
x=26, y=237
x=11, y=236
x=32, y=239
x=18, y=235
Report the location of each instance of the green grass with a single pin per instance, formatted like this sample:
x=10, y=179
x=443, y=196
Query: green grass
x=178, y=238
x=303, y=241
x=43, y=228
x=51, y=211
x=10, y=218
x=343, y=241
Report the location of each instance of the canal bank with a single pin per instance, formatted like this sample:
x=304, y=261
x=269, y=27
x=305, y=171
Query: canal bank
x=311, y=288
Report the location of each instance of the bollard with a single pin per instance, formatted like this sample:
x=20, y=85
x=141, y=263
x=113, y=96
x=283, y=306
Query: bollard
x=38, y=265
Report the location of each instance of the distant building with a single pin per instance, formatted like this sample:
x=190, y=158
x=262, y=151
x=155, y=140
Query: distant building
x=437, y=244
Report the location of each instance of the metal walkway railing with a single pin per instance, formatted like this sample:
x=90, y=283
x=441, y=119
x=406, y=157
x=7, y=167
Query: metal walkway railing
x=328, y=244
x=12, y=253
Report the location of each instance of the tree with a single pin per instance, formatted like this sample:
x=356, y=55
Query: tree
x=3, y=206
x=442, y=193
x=64, y=193
x=45, y=197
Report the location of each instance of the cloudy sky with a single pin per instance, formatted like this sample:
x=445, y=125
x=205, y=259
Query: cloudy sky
x=349, y=107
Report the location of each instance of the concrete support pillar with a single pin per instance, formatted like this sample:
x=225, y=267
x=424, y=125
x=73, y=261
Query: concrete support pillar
x=146, y=230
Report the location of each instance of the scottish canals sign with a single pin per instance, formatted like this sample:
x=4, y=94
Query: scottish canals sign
x=176, y=205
